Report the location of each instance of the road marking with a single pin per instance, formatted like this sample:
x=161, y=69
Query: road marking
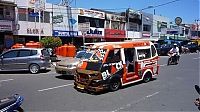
x=163, y=65
x=6, y=80
x=135, y=102
x=55, y=87
x=197, y=58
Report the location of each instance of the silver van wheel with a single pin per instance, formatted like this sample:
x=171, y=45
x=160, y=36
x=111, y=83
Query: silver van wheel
x=34, y=68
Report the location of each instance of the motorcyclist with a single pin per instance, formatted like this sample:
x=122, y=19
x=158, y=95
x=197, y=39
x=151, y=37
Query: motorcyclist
x=175, y=52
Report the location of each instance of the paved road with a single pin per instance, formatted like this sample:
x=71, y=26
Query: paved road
x=172, y=90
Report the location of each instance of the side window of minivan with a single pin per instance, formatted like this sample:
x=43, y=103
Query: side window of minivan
x=24, y=53
x=153, y=51
x=11, y=54
x=143, y=53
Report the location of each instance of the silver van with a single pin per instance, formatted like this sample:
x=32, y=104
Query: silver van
x=32, y=59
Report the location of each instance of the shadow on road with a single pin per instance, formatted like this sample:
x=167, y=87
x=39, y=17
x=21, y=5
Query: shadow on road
x=107, y=91
x=137, y=83
x=23, y=72
x=65, y=77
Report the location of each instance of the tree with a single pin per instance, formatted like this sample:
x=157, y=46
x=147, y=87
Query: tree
x=51, y=42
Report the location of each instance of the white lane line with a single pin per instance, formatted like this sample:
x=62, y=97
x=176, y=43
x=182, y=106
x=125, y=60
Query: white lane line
x=6, y=80
x=163, y=65
x=135, y=102
x=197, y=58
x=55, y=87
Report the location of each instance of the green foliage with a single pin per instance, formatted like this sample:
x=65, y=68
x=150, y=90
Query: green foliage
x=51, y=42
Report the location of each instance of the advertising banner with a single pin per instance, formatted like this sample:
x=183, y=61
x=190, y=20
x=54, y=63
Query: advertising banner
x=60, y=33
x=93, y=32
x=113, y=33
x=5, y=26
x=133, y=34
x=92, y=13
x=61, y=20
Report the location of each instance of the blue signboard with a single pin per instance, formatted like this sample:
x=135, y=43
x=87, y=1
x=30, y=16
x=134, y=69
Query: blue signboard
x=61, y=33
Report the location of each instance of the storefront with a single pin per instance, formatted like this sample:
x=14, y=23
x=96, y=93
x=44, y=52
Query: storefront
x=114, y=35
x=7, y=24
x=63, y=27
x=29, y=26
x=96, y=20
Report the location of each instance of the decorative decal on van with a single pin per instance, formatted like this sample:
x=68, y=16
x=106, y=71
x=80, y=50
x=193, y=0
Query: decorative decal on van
x=105, y=75
x=102, y=53
x=111, y=68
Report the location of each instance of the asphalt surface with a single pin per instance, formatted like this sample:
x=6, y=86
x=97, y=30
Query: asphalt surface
x=172, y=90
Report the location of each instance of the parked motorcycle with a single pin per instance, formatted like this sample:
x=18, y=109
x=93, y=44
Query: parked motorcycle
x=173, y=58
x=11, y=103
x=197, y=101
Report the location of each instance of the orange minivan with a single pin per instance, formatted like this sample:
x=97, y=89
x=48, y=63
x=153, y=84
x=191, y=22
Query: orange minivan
x=116, y=64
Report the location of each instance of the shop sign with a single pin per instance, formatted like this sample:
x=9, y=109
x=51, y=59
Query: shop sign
x=113, y=33
x=60, y=33
x=34, y=31
x=95, y=32
x=133, y=34
x=146, y=35
x=5, y=26
x=92, y=13
x=115, y=17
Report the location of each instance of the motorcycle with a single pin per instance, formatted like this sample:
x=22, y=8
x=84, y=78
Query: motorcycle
x=11, y=103
x=197, y=101
x=173, y=58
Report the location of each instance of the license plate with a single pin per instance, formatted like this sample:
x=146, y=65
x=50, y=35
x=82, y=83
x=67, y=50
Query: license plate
x=80, y=86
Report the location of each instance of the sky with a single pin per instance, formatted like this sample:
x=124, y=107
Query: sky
x=188, y=10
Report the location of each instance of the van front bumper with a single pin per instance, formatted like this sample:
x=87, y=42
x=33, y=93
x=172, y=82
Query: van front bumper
x=86, y=87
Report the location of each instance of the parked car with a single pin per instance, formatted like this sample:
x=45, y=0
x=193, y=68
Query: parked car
x=68, y=66
x=164, y=49
x=32, y=59
x=192, y=47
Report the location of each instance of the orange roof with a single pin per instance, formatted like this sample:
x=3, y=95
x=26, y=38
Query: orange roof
x=126, y=44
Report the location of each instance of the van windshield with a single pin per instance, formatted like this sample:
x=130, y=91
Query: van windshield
x=98, y=55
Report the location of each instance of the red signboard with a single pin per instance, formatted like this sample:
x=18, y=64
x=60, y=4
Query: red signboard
x=113, y=33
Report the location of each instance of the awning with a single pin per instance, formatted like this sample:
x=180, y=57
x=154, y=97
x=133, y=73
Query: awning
x=8, y=3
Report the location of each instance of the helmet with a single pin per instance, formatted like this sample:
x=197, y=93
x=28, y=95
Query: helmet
x=175, y=44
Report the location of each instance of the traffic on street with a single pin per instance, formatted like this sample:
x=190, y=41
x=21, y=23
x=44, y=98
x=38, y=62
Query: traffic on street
x=172, y=90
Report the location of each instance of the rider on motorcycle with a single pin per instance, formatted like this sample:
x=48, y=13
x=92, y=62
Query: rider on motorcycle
x=175, y=52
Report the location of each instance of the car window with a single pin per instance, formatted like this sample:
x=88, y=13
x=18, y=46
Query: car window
x=80, y=54
x=24, y=53
x=33, y=52
x=11, y=54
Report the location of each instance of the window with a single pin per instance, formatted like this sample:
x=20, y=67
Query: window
x=10, y=54
x=114, y=56
x=153, y=51
x=147, y=28
x=143, y=54
x=24, y=53
x=94, y=22
x=1, y=13
x=33, y=52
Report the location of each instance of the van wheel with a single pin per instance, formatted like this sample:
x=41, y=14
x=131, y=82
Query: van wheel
x=34, y=68
x=147, y=77
x=114, y=85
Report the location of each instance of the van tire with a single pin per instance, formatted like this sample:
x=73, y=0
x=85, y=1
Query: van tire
x=34, y=68
x=147, y=77
x=114, y=84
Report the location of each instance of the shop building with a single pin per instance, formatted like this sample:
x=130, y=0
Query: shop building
x=160, y=24
x=27, y=19
x=65, y=23
x=96, y=20
x=7, y=23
